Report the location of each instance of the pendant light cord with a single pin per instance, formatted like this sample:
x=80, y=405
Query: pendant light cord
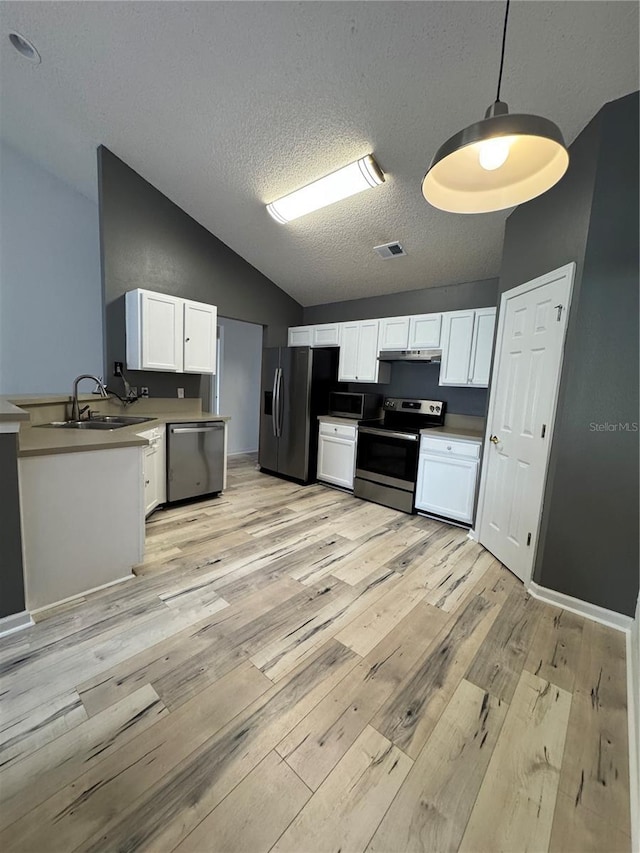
x=504, y=41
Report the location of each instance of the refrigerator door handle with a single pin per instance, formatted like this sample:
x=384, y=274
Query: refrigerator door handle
x=274, y=397
x=280, y=404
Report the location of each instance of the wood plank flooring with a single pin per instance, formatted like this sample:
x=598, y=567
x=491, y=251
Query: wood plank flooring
x=296, y=670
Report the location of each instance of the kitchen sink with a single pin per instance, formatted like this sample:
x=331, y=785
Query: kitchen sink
x=121, y=420
x=100, y=422
x=81, y=425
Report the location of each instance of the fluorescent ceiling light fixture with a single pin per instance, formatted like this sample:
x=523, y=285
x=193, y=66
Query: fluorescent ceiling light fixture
x=499, y=162
x=363, y=174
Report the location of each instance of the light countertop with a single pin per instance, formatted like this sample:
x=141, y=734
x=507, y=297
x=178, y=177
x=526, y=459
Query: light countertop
x=330, y=419
x=9, y=412
x=42, y=441
x=454, y=432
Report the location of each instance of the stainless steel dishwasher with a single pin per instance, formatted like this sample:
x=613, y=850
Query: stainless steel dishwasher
x=195, y=459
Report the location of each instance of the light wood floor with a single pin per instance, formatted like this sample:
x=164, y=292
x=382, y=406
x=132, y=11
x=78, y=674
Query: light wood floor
x=297, y=670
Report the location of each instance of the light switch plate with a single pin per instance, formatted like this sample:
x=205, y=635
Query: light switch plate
x=181, y=393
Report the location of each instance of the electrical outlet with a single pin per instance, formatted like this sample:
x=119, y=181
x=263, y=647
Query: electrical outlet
x=181, y=393
x=144, y=391
x=117, y=368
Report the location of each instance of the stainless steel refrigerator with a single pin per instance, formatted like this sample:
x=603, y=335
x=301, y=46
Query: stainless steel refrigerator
x=296, y=382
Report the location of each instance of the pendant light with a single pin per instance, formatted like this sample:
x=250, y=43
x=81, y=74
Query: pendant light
x=498, y=162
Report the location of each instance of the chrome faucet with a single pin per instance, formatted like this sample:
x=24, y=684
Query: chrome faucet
x=75, y=408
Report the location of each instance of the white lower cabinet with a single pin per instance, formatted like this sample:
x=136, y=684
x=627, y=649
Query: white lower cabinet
x=154, y=475
x=337, y=453
x=447, y=475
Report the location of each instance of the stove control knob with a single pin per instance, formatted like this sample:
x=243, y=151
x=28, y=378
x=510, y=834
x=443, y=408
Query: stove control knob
x=431, y=408
x=437, y=408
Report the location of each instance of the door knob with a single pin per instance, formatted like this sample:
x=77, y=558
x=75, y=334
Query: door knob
x=494, y=439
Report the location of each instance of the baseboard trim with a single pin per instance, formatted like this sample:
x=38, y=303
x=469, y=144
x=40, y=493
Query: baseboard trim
x=15, y=622
x=583, y=608
x=473, y=535
x=39, y=611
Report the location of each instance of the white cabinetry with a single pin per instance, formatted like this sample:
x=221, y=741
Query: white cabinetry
x=169, y=334
x=300, y=336
x=200, y=328
x=358, y=360
x=154, y=469
x=325, y=335
x=424, y=331
x=337, y=453
x=447, y=474
x=482, y=346
x=394, y=333
x=421, y=331
x=467, y=340
x=322, y=335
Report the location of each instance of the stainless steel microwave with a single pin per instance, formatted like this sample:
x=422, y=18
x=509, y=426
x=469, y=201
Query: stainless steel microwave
x=355, y=404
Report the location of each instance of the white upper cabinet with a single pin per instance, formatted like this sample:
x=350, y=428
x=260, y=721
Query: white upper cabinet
x=158, y=326
x=349, y=343
x=482, y=346
x=424, y=331
x=200, y=326
x=155, y=324
x=467, y=341
x=358, y=360
x=325, y=335
x=322, y=335
x=300, y=336
x=394, y=333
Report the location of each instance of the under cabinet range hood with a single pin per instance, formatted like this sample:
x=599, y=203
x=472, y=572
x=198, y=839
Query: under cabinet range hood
x=434, y=355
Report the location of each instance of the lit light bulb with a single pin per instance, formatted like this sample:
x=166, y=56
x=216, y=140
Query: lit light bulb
x=494, y=152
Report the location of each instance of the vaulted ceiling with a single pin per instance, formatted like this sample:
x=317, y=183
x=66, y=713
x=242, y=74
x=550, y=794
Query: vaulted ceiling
x=225, y=106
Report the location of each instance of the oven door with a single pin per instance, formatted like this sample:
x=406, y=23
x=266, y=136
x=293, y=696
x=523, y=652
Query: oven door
x=385, y=457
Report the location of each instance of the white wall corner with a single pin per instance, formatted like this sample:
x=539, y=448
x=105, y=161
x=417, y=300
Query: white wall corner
x=15, y=622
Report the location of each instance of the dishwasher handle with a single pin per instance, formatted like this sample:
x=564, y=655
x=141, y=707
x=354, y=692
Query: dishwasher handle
x=176, y=430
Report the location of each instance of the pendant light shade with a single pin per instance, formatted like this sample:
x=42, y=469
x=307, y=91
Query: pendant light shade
x=499, y=162
x=496, y=163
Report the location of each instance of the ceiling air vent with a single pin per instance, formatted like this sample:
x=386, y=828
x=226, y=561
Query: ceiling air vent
x=390, y=250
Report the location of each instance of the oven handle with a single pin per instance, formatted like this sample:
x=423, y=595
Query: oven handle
x=403, y=435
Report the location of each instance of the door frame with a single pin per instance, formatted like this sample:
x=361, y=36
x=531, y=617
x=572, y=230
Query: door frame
x=567, y=271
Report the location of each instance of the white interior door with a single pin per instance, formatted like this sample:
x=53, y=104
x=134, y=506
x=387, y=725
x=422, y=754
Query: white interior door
x=526, y=375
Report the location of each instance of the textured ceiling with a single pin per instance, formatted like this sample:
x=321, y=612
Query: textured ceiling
x=225, y=106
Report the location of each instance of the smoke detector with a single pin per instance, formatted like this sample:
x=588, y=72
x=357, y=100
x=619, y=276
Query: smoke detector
x=390, y=250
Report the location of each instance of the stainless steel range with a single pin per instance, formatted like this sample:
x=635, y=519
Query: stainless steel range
x=387, y=457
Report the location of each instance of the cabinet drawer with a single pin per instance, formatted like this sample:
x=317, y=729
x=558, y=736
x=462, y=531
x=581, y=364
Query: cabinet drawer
x=338, y=430
x=450, y=447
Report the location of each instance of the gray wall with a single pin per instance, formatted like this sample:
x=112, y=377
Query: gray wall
x=417, y=380
x=451, y=297
x=589, y=536
x=148, y=241
x=420, y=381
x=11, y=574
x=50, y=292
x=240, y=375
